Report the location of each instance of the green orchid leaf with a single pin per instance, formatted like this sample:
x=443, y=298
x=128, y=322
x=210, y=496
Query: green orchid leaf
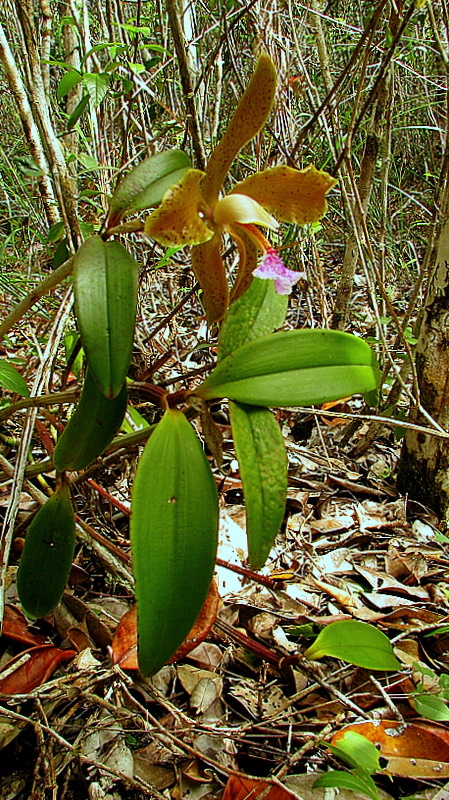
x=256, y=313
x=291, y=368
x=355, y=642
x=430, y=706
x=10, y=378
x=105, y=285
x=146, y=184
x=91, y=427
x=47, y=555
x=174, y=527
x=355, y=781
x=357, y=751
x=262, y=459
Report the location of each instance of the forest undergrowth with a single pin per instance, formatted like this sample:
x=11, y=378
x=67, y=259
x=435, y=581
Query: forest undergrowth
x=249, y=706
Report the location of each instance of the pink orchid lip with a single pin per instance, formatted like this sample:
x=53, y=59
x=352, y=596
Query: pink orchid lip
x=273, y=267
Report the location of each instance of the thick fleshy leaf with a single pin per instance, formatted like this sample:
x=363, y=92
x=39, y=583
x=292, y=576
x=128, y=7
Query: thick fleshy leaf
x=174, y=526
x=356, y=781
x=262, y=460
x=105, y=285
x=210, y=273
x=177, y=221
x=244, y=210
x=47, y=555
x=296, y=387
x=10, y=378
x=292, y=195
x=146, y=184
x=357, y=751
x=355, y=642
x=91, y=427
x=250, y=116
x=291, y=368
x=256, y=313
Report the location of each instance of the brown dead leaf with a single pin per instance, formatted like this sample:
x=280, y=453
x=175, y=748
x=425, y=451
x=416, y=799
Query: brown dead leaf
x=124, y=643
x=206, y=655
x=239, y=788
x=414, y=749
x=412, y=618
x=15, y=626
x=407, y=566
x=336, y=406
x=30, y=669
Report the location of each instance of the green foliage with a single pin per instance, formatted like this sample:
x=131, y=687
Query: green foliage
x=260, y=451
x=47, y=555
x=146, y=184
x=431, y=704
x=363, y=758
x=91, y=427
x=10, y=378
x=304, y=367
x=105, y=285
x=356, y=642
x=174, y=528
x=259, y=311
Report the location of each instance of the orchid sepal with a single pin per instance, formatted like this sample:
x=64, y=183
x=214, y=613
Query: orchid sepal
x=248, y=119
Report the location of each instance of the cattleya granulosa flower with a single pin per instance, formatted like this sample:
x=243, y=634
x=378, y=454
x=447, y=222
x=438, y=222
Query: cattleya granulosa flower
x=193, y=213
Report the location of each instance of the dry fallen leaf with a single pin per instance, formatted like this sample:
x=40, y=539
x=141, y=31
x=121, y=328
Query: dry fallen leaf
x=30, y=669
x=413, y=750
x=238, y=788
x=16, y=627
x=124, y=643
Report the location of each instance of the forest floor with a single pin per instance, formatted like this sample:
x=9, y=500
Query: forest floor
x=243, y=713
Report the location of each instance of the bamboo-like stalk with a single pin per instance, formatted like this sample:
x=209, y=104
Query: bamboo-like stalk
x=187, y=83
x=30, y=128
x=36, y=91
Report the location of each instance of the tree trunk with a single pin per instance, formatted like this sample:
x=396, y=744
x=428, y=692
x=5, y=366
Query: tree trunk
x=423, y=471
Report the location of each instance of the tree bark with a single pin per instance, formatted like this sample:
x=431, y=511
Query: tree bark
x=423, y=470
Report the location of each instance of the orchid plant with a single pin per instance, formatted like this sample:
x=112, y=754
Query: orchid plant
x=192, y=212
x=174, y=512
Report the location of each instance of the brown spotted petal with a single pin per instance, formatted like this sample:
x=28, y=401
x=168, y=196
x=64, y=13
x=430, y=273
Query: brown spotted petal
x=248, y=253
x=210, y=272
x=177, y=221
x=249, y=117
x=292, y=195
